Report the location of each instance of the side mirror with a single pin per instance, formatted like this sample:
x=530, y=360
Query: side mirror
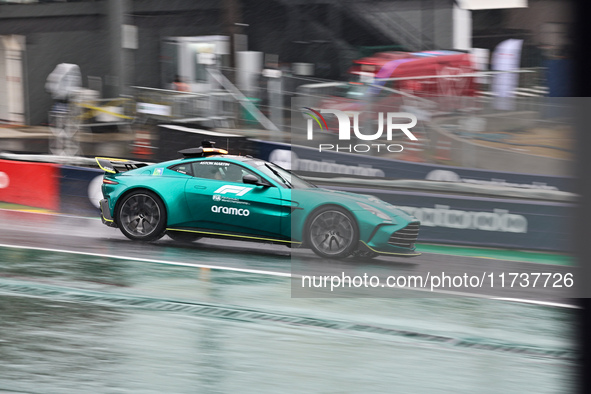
x=253, y=180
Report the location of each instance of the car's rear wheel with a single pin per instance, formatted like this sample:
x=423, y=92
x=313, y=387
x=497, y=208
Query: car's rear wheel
x=142, y=216
x=332, y=233
x=183, y=236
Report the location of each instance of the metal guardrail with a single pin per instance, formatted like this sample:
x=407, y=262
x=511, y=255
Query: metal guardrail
x=102, y=112
x=164, y=104
x=447, y=98
x=532, y=82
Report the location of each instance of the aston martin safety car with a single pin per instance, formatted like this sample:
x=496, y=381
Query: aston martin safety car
x=209, y=193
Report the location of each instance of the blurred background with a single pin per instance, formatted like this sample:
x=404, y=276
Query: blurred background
x=490, y=178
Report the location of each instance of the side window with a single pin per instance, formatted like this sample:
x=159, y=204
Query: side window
x=184, y=168
x=220, y=170
x=209, y=169
x=234, y=173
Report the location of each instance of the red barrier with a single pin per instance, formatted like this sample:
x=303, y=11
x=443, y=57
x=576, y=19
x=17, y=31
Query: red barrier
x=31, y=184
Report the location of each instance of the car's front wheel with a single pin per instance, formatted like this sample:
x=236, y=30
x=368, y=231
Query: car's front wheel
x=142, y=216
x=332, y=233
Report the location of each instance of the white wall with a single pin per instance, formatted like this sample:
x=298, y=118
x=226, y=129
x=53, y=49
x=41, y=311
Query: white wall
x=11, y=72
x=3, y=88
x=462, y=28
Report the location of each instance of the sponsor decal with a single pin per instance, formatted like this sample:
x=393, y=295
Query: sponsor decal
x=214, y=163
x=390, y=122
x=231, y=189
x=158, y=171
x=450, y=176
x=230, y=210
x=217, y=197
x=289, y=160
x=441, y=216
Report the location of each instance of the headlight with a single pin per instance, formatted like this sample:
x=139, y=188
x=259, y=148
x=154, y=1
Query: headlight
x=375, y=211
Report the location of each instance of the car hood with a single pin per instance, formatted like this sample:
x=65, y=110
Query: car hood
x=348, y=200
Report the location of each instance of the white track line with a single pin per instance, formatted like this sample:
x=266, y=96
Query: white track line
x=534, y=302
x=166, y=262
x=282, y=274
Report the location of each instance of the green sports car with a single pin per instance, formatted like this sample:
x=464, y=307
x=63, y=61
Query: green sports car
x=209, y=193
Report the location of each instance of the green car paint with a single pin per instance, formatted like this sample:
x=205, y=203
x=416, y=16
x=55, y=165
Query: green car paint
x=279, y=208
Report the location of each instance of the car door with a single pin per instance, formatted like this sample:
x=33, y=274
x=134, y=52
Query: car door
x=218, y=200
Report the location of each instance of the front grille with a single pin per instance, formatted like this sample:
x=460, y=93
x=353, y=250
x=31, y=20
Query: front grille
x=406, y=237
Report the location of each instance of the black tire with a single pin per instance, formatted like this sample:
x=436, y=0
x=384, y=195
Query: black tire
x=331, y=232
x=183, y=236
x=141, y=216
x=364, y=254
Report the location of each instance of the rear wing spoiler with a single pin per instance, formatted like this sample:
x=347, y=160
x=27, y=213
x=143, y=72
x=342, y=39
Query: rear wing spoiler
x=114, y=166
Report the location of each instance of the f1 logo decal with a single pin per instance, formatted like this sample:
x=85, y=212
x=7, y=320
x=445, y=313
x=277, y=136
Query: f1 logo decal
x=237, y=190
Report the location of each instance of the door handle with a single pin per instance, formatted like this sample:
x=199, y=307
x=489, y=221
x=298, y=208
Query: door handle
x=199, y=187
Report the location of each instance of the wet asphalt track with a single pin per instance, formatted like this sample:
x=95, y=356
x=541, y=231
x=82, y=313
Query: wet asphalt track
x=89, y=235
x=153, y=319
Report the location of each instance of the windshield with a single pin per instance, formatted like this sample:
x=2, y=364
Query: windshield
x=280, y=175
